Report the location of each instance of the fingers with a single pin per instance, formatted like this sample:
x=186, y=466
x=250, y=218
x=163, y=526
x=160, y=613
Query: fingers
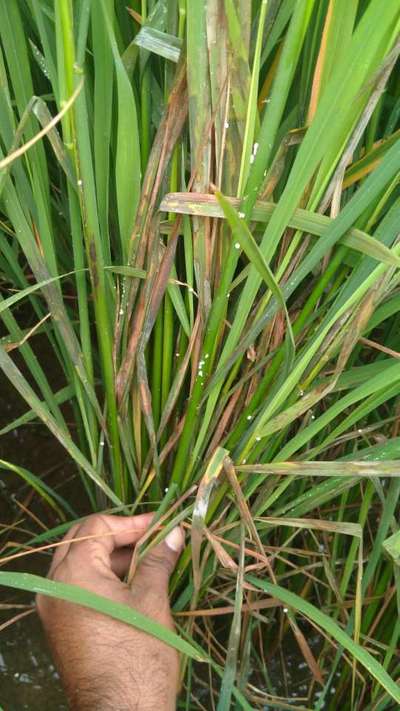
x=106, y=549
x=61, y=551
x=101, y=535
x=111, y=532
x=156, y=567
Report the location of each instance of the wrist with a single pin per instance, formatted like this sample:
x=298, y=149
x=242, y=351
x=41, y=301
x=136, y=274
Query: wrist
x=101, y=691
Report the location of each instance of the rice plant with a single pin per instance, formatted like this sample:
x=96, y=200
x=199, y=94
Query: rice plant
x=200, y=212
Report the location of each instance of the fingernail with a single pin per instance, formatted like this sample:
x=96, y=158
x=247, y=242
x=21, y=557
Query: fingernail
x=175, y=539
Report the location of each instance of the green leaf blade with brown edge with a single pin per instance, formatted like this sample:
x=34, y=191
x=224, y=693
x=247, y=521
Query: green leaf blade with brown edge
x=207, y=206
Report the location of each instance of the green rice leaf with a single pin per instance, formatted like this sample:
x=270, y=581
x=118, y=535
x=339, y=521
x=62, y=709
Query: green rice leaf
x=241, y=232
x=118, y=611
x=127, y=166
x=331, y=628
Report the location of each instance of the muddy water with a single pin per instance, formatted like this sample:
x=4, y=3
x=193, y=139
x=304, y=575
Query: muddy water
x=28, y=679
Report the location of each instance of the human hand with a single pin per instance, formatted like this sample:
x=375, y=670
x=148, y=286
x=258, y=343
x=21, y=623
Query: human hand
x=105, y=664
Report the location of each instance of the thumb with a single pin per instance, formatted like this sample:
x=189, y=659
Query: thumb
x=155, y=569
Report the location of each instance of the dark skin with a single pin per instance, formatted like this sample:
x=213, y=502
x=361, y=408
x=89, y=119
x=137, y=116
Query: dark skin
x=104, y=664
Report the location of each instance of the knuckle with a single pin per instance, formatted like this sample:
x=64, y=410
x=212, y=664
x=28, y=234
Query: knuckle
x=93, y=524
x=156, y=562
x=101, y=519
